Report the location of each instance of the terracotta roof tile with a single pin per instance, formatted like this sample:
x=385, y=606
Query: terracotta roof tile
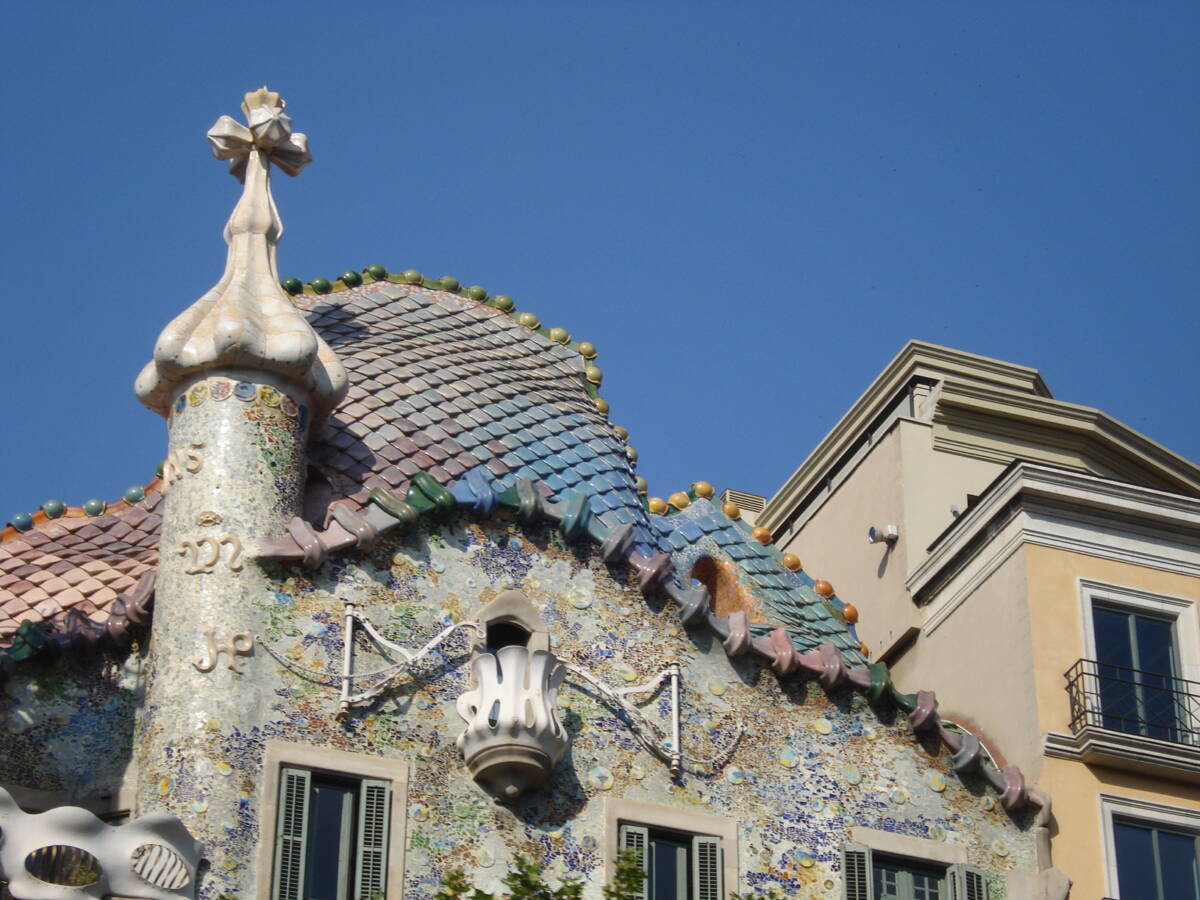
x=70, y=597
x=76, y=562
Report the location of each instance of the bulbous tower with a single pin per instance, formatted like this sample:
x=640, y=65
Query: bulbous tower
x=241, y=378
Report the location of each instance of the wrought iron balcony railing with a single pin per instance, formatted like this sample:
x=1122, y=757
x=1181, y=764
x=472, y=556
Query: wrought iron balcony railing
x=1133, y=701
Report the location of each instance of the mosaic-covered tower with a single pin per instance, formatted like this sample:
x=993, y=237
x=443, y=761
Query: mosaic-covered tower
x=240, y=377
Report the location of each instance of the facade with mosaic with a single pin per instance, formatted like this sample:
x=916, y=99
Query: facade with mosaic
x=397, y=603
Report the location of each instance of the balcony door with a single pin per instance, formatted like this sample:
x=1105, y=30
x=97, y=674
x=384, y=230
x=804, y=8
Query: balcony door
x=1136, y=672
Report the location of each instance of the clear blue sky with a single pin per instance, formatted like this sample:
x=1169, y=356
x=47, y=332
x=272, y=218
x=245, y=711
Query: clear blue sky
x=748, y=208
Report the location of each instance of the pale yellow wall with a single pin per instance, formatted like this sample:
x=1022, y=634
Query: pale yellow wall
x=1058, y=618
x=1077, y=841
x=833, y=546
x=979, y=662
x=1058, y=640
x=933, y=482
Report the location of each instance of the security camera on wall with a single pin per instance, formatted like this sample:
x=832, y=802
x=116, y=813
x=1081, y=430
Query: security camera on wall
x=885, y=535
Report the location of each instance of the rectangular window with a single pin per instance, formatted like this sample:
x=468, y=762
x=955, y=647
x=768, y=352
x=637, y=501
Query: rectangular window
x=331, y=836
x=677, y=865
x=900, y=880
x=1136, y=672
x=1155, y=863
x=871, y=875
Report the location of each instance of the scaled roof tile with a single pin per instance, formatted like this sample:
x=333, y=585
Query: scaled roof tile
x=423, y=365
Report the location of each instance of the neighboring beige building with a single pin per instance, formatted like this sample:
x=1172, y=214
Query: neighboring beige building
x=1041, y=557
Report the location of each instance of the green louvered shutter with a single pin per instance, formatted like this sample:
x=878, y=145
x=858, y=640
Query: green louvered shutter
x=291, y=834
x=374, y=809
x=635, y=839
x=707, y=874
x=856, y=873
x=967, y=883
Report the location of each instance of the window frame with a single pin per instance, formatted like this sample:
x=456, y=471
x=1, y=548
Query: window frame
x=1145, y=812
x=280, y=755
x=682, y=821
x=918, y=851
x=1182, y=612
x=906, y=866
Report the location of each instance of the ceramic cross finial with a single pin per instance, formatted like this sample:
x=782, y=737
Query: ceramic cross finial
x=270, y=129
x=246, y=322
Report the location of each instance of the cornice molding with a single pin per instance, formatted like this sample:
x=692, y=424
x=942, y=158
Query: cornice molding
x=1131, y=752
x=967, y=411
x=1070, y=511
x=917, y=358
x=978, y=397
x=944, y=607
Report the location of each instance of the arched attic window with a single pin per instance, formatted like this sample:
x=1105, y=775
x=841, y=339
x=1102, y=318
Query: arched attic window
x=511, y=620
x=506, y=634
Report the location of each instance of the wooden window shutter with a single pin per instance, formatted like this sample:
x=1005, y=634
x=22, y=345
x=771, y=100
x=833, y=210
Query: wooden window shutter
x=967, y=883
x=291, y=834
x=856, y=873
x=635, y=839
x=370, y=870
x=707, y=865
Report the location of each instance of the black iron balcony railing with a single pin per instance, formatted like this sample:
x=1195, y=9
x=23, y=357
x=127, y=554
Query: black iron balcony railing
x=1135, y=702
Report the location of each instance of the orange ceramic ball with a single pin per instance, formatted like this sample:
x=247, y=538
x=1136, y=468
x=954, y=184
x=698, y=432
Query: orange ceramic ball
x=731, y=510
x=791, y=561
x=762, y=535
x=680, y=500
x=658, y=505
x=865, y=650
x=850, y=613
x=703, y=489
x=824, y=588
